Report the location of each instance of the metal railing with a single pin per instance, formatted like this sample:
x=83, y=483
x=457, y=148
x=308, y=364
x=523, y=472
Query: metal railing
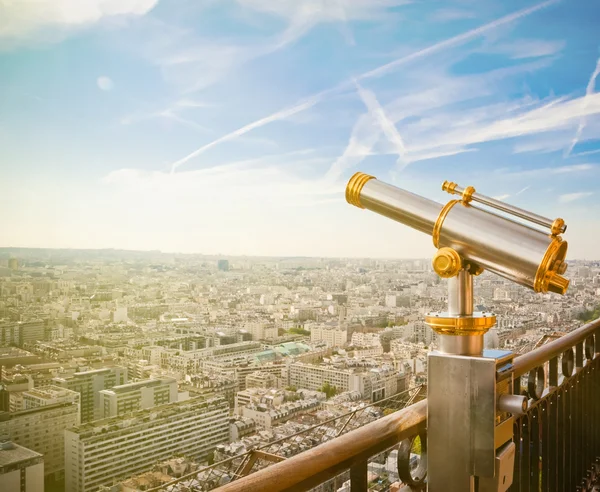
x=557, y=440
x=233, y=468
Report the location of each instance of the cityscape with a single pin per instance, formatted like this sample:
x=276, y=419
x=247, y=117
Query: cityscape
x=299, y=246
x=126, y=370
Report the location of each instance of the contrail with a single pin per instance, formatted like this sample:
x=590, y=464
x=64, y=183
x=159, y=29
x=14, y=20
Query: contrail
x=279, y=115
x=377, y=72
x=456, y=40
x=387, y=126
x=589, y=90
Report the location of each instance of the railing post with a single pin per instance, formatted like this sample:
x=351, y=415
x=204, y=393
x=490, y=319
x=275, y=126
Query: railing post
x=358, y=477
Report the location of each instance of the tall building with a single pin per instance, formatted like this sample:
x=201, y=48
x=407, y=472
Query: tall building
x=21, y=333
x=333, y=336
x=89, y=384
x=223, y=265
x=41, y=427
x=110, y=449
x=371, y=383
x=13, y=263
x=21, y=469
x=140, y=395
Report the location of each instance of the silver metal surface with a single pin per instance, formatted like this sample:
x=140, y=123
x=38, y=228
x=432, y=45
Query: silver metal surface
x=505, y=465
x=509, y=209
x=502, y=246
x=460, y=303
x=460, y=294
x=505, y=247
x=461, y=344
x=461, y=411
x=515, y=404
x=403, y=206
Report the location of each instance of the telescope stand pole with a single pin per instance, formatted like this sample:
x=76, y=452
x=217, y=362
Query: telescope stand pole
x=453, y=382
x=460, y=303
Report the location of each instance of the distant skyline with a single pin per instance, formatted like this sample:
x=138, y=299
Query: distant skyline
x=225, y=256
x=232, y=127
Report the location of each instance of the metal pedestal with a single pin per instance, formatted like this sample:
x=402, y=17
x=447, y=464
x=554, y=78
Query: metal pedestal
x=465, y=431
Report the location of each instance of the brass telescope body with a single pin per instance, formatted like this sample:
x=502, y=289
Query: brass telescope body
x=467, y=407
x=472, y=239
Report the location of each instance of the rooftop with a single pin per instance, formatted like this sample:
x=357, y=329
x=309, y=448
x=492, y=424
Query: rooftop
x=11, y=454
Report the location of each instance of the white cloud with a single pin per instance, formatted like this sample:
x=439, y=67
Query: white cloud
x=22, y=19
x=527, y=48
x=379, y=116
x=501, y=197
x=457, y=40
x=571, y=197
x=545, y=171
x=280, y=115
x=584, y=102
x=451, y=14
x=357, y=149
x=303, y=15
x=105, y=83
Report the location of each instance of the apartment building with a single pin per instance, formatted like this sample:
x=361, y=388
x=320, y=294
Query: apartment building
x=131, y=397
x=89, y=384
x=41, y=426
x=373, y=383
x=100, y=452
x=333, y=336
x=21, y=469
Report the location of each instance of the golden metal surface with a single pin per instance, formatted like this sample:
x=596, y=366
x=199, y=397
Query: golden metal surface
x=437, y=228
x=446, y=262
x=467, y=195
x=444, y=324
x=504, y=432
x=557, y=227
x=355, y=186
x=547, y=277
x=449, y=186
x=474, y=268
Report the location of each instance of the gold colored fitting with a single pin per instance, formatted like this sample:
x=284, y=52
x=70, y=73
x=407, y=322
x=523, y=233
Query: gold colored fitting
x=557, y=283
x=355, y=186
x=447, y=262
x=557, y=227
x=437, y=228
x=467, y=195
x=444, y=324
x=548, y=275
x=474, y=268
x=449, y=186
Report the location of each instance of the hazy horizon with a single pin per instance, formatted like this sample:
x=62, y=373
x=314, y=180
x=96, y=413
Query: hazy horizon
x=235, y=126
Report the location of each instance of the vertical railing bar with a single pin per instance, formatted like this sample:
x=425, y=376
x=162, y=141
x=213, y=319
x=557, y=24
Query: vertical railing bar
x=551, y=437
x=559, y=456
x=358, y=477
x=545, y=414
x=526, y=454
x=553, y=373
x=534, y=431
x=586, y=424
x=516, y=486
x=569, y=421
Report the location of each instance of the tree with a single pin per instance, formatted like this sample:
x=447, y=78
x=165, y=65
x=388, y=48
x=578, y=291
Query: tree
x=328, y=390
x=296, y=330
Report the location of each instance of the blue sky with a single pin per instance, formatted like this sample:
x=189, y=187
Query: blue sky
x=231, y=127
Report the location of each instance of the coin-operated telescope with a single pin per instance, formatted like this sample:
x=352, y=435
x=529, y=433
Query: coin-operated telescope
x=470, y=414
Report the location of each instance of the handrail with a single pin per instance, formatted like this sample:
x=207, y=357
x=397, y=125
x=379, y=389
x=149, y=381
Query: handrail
x=317, y=465
x=526, y=362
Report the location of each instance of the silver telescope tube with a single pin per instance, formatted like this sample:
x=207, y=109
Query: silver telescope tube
x=484, y=239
